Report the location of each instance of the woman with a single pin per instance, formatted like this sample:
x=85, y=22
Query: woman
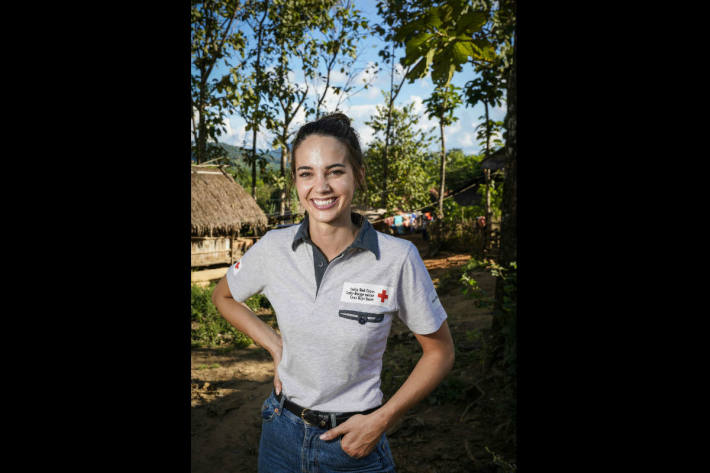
x=334, y=283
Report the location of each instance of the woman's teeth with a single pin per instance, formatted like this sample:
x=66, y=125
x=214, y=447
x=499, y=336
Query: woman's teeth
x=324, y=203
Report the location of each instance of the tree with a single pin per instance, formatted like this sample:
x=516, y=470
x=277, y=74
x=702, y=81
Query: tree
x=409, y=179
x=486, y=89
x=337, y=47
x=291, y=20
x=212, y=38
x=256, y=86
x=394, y=13
x=509, y=229
x=446, y=36
x=441, y=104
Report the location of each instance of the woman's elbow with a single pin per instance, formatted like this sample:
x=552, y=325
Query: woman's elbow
x=450, y=358
x=217, y=292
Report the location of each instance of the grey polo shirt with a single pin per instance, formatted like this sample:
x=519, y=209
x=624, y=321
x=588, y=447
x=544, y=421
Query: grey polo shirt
x=334, y=325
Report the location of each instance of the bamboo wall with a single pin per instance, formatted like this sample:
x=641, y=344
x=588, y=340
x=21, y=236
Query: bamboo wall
x=208, y=251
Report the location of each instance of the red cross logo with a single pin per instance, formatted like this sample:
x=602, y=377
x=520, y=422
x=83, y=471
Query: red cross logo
x=236, y=266
x=383, y=295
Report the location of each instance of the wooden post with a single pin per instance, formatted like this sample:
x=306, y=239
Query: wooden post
x=231, y=248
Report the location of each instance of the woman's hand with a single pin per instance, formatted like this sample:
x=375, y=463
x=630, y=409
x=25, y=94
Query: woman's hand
x=360, y=434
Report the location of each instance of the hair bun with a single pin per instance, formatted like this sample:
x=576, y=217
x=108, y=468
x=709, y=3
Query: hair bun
x=337, y=116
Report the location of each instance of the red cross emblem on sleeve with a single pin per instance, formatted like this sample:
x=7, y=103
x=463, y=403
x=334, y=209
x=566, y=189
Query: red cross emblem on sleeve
x=383, y=295
x=236, y=266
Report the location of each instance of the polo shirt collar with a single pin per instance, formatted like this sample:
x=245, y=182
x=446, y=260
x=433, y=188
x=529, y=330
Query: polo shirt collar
x=366, y=237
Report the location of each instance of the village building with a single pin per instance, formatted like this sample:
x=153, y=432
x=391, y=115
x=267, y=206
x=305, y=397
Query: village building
x=221, y=213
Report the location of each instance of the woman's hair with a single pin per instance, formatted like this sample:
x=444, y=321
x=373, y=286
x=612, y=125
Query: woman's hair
x=338, y=126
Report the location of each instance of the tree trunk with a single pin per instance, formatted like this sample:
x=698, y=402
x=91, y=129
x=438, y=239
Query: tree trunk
x=258, y=101
x=201, y=127
x=508, y=224
x=282, y=197
x=385, y=157
x=487, y=173
x=442, y=172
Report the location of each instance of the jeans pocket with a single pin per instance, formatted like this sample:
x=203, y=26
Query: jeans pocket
x=384, y=448
x=268, y=409
x=374, y=457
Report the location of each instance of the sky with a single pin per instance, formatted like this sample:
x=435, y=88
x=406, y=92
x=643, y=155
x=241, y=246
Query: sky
x=361, y=106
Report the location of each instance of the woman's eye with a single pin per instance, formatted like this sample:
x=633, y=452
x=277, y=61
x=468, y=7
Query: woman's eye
x=304, y=174
x=337, y=172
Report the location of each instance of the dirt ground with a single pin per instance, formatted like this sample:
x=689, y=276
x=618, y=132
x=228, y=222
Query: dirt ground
x=441, y=434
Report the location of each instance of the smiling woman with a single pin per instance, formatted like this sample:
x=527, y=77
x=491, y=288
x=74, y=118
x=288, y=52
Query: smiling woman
x=335, y=284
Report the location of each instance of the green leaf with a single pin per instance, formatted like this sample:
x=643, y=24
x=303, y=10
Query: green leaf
x=418, y=71
x=470, y=23
x=485, y=48
x=430, y=57
x=406, y=30
x=461, y=51
x=443, y=69
x=413, y=45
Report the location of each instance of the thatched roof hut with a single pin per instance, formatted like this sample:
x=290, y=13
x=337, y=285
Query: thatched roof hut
x=220, y=206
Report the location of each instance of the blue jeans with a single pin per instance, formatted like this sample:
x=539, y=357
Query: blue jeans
x=289, y=445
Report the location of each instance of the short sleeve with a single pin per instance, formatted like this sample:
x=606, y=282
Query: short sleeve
x=248, y=276
x=419, y=305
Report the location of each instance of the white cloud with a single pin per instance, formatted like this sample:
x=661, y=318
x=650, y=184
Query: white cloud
x=363, y=112
x=372, y=92
x=337, y=77
x=462, y=140
x=366, y=135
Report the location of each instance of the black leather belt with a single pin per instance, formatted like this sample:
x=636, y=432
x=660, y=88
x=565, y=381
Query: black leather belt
x=320, y=418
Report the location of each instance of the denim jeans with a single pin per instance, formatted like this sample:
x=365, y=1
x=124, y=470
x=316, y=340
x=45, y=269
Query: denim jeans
x=289, y=445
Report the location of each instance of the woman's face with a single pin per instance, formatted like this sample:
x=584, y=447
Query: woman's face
x=325, y=179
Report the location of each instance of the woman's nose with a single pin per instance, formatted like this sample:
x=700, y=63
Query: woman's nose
x=322, y=184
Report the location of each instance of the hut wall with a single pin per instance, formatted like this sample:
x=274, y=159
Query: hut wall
x=207, y=251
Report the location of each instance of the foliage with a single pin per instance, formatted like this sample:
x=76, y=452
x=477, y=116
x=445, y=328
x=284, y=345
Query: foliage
x=209, y=328
x=340, y=29
x=441, y=105
x=444, y=37
x=408, y=179
x=212, y=38
x=457, y=231
x=504, y=465
x=506, y=316
x=461, y=169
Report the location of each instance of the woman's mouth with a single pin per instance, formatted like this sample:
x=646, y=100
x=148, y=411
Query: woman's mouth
x=324, y=204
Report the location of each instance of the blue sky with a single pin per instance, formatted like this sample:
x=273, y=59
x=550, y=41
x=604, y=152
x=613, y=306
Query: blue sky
x=361, y=106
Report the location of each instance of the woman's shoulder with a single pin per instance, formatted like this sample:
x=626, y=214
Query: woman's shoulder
x=281, y=235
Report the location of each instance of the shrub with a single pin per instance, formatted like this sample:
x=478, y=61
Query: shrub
x=210, y=329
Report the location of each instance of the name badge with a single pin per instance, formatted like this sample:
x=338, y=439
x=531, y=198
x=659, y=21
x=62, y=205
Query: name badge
x=361, y=293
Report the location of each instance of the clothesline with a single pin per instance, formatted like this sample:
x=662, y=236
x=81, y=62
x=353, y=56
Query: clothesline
x=289, y=214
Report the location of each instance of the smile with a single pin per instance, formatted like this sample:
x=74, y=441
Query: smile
x=324, y=204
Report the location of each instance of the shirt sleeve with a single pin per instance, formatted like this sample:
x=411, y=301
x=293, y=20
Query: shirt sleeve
x=419, y=305
x=248, y=276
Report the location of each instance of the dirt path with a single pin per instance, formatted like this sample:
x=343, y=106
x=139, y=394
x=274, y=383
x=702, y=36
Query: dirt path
x=229, y=387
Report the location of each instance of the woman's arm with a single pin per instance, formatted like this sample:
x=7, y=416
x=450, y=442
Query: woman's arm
x=362, y=432
x=244, y=320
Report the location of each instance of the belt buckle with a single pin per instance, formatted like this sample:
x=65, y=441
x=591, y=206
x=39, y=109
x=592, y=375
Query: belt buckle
x=304, y=419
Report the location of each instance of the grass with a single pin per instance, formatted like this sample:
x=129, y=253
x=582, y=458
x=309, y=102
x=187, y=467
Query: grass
x=210, y=329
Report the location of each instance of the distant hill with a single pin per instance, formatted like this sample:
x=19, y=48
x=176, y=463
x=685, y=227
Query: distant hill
x=235, y=153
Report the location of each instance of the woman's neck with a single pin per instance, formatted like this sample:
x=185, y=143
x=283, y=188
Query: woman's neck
x=332, y=238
